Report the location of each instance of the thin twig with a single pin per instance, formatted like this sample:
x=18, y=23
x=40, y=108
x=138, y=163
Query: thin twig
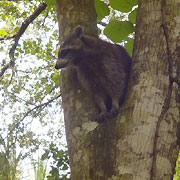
x=18, y=35
x=36, y=107
x=102, y=23
x=5, y=37
x=17, y=97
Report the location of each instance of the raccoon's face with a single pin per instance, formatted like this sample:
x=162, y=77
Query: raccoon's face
x=71, y=50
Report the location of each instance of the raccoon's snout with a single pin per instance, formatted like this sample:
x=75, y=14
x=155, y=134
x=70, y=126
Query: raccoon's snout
x=63, y=58
x=61, y=63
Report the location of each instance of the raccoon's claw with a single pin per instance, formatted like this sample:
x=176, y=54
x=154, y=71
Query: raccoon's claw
x=113, y=112
x=100, y=117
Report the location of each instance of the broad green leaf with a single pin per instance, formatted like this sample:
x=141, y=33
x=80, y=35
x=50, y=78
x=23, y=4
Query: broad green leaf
x=50, y=2
x=118, y=30
x=133, y=2
x=129, y=46
x=102, y=10
x=123, y=5
x=132, y=16
x=99, y=31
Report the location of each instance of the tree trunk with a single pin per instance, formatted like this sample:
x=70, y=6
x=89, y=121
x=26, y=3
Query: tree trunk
x=150, y=147
x=142, y=143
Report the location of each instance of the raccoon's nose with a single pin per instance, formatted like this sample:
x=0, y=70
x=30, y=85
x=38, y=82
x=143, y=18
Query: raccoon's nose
x=56, y=66
x=61, y=63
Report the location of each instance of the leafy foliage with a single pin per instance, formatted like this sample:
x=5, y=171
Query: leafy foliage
x=28, y=88
x=40, y=169
x=102, y=10
x=120, y=18
x=59, y=165
x=3, y=169
x=50, y=2
x=132, y=16
x=118, y=30
x=129, y=45
x=177, y=175
x=123, y=5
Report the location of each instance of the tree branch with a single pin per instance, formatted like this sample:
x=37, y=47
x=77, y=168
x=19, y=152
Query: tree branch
x=24, y=26
x=17, y=36
x=102, y=24
x=36, y=107
x=10, y=64
x=21, y=99
x=9, y=36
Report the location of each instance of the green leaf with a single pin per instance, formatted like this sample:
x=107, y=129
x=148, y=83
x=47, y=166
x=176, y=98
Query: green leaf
x=65, y=178
x=16, y=90
x=45, y=155
x=133, y=2
x=99, y=31
x=65, y=167
x=123, y=5
x=129, y=46
x=2, y=32
x=50, y=2
x=102, y=10
x=118, y=30
x=7, y=75
x=3, y=82
x=132, y=16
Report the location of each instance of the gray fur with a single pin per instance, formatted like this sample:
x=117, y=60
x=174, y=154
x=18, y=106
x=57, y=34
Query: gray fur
x=102, y=69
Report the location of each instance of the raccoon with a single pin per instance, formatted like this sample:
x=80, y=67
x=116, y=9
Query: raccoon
x=102, y=69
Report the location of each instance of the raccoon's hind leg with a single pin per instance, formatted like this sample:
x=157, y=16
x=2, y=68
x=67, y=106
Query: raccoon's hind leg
x=117, y=94
x=117, y=101
x=100, y=102
x=115, y=107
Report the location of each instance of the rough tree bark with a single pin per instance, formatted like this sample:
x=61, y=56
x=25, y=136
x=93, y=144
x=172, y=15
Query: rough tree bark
x=142, y=143
x=149, y=150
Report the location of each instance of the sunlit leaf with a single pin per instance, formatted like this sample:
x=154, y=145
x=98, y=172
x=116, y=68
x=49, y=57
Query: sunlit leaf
x=65, y=167
x=132, y=16
x=45, y=155
x=129, y=46
x=118, y=30
x=123, y=5
x=7, y=75
x=102, y=10
x=2, y=32
x=50, y=2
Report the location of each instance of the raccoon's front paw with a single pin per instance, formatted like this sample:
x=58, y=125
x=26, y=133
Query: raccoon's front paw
x=113, y=112
x=100, y=117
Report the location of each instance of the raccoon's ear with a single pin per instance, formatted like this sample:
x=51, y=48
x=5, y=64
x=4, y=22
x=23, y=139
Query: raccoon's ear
x=78, y=31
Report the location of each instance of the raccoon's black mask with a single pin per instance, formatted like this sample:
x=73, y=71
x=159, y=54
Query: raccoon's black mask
x=70, y=50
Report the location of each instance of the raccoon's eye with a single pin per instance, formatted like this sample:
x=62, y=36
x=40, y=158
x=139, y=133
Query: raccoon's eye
x=62, y=54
